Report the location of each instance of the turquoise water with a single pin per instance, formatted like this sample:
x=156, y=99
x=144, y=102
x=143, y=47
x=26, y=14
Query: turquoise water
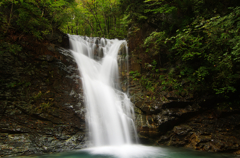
x=138, y=151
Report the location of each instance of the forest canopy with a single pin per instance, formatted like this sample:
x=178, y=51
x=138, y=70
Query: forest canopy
x=195, y=42
x=101, y=18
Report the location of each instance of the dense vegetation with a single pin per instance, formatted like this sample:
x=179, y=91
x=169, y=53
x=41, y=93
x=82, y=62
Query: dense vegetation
x=35, y=19
x=191, y=46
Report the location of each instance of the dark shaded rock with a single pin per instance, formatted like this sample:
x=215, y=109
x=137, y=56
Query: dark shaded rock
x=122, y=50
x=182, y=130
x=58, y=38
x=176, y=104
x=101, y=53
x=41, y=102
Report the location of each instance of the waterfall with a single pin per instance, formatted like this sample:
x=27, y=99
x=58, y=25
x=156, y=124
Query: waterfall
x=110, y=113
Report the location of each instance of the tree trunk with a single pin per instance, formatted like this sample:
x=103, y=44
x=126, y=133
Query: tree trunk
x=105, y=20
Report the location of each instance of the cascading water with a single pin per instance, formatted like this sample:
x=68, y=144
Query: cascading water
x=109, y=111
x=110, y=114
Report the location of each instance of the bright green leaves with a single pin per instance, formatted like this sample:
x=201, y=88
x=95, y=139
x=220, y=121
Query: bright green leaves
x=159, y=6
x=101, y=18
x=188, y=46
x=154, y=42
x=135, y=75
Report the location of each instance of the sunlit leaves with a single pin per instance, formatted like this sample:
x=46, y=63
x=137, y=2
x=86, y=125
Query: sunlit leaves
x=97, y=18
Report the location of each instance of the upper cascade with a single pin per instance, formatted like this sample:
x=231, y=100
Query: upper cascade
x=110, y=114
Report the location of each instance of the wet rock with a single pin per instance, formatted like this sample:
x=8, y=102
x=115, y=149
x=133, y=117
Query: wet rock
x=101, y=53
x=46, y=58
x=182, y=130
x=122, y=50
x=51, y=48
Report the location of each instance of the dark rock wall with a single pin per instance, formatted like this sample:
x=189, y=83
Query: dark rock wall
x=41, y=100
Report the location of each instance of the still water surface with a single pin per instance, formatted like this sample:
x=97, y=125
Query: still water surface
x=136, y=151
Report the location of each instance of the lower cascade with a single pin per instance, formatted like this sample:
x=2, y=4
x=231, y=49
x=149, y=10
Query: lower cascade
x=110, y=113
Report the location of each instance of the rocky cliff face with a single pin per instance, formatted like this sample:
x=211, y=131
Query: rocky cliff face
x=41, y=99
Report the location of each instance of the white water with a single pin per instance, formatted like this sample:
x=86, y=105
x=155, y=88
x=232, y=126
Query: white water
x=110, y=114
x=109, y=111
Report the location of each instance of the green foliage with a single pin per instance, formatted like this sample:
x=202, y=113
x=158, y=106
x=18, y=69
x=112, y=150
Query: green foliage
x=154, y=42
x=11, y=85
x=196, y=41
x=42, y=107
x=134, y=74
x=154, y=66
x=97, y=18
x=32, y=17
x=8, y=47
x=207, y=53
x=29, y=18
x=147, y=83
x=165, y=7
x=38, y=95
x=45, y=105
x=15, y=84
